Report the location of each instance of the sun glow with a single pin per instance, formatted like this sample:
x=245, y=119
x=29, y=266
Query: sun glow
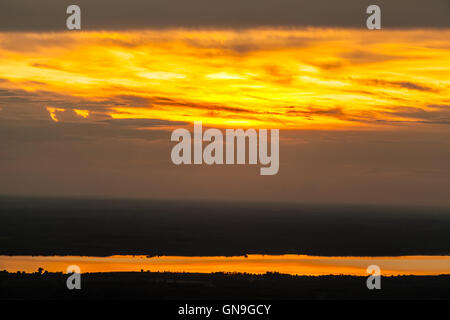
x=284, y=78
x=255, y=264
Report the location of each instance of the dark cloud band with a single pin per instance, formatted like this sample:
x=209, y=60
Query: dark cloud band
x=46, y=15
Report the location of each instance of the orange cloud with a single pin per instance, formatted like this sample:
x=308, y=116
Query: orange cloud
x=285, y=78
x=82, y=113
x=52, y=112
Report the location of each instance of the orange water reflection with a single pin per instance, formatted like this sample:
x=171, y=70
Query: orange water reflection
x=257, y=264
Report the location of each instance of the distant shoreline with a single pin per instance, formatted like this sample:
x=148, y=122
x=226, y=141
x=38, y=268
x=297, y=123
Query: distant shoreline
x=105, y=227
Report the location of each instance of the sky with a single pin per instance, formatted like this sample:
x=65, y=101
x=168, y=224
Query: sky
x=45, y=15
x=364, y=115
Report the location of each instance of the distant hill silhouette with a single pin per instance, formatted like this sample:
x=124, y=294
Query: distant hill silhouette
x=103, y=227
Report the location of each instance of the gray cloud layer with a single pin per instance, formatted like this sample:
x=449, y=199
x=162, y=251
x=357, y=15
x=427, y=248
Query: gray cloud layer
x=43, y=15
x=65, y=159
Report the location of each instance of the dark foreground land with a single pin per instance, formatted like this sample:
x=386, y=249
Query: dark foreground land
x=183, y=286
x=47, y=226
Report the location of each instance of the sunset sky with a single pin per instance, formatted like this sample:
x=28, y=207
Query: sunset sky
x=364, y=115
x=294, y=78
